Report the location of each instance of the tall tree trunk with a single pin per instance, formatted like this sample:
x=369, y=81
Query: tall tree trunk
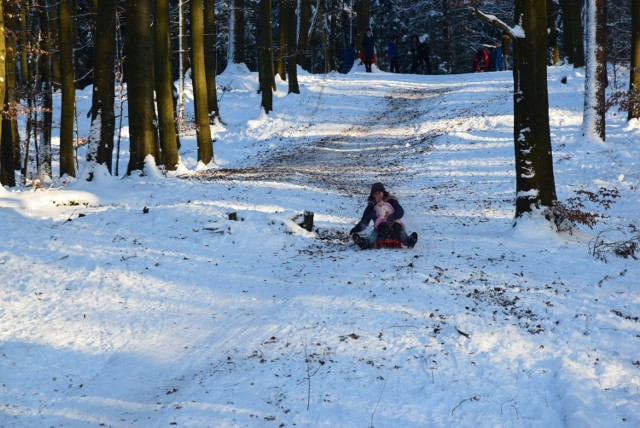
x=182, y=64
x=199, y=78
x=265, y=55
x=283, y=49
x=164, y=87
x=447, y=35
x=316, y=42
x=24, y=41
x=319, y=36
x=333, y=42
x=362, y=22
x=10, y=138
x=634, y=81
x=573, y=32
x=7, y=149
x=67, y=115
x=554, y=50
x=593, y=123
x=238, y=51
x=56, y=73
x=103, y=97
x=138, y=63
x=210, y=59
x=30, y=79
x=183, y=35
x=46, y=89
x=5, y=168
x=304, y=16
x=289, y=8
x=535, y=185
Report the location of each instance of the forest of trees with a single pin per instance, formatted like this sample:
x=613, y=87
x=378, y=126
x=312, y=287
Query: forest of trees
x=65, y=45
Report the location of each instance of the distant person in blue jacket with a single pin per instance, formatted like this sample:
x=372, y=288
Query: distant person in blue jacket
x=392, y=54
x=348, y=56
x=497, y=56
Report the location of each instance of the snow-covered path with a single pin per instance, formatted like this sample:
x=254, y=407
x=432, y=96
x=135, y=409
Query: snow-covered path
x=355, y=150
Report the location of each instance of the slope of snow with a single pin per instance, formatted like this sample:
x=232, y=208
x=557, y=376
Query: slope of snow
x=135, y=301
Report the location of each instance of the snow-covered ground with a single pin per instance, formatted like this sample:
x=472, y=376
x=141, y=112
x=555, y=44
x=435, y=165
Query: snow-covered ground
x=136, y=302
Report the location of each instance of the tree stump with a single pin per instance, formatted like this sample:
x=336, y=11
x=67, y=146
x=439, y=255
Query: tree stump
x=307, y=222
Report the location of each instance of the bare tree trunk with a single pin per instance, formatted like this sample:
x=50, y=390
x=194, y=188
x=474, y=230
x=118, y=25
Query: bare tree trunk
x=319, y=35
x=304, y=16
x=313, y=50
x=362, y=22
x=199, y=78
x=67, y=115
x=184, y=37
x=448, y=53
x=24, y=41
x=103, y=97
x=634, y=83
x=265, y=55
x=182, y=64
x=289, y=8
x=138, y=63
x=573, y=33
x=10, y=138
x=7, y=155
x=554, y=50
x=333, y=25
x=210, y=59
x=164, y=87
x=535, y=185
x=3, y=89
x=238, y=52
x=46, y=73
x=56, y=73
x=283, y=48
x=30, y=79
x=593, y=123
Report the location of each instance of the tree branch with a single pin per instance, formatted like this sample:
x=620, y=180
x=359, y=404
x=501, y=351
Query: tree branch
x=493, y=20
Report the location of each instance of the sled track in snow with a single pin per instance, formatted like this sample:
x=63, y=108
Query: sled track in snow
x=351, y=159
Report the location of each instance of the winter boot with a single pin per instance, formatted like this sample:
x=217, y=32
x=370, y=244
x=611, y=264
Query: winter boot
x=361, y=242
x=413, y=238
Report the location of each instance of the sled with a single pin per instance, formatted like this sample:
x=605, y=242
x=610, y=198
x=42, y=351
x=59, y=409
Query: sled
x=380, y=243
x=388, y=243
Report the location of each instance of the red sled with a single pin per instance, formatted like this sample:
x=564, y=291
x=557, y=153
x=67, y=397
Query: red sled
x=388, y=243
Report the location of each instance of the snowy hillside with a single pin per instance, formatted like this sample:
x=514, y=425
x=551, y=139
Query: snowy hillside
x=136, y=301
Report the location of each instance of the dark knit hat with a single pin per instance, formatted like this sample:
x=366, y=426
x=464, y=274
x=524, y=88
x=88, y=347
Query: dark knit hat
x=378, y=187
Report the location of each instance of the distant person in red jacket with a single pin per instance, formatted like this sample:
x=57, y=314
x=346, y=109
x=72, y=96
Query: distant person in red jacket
x=481, y=61
x=368, y=49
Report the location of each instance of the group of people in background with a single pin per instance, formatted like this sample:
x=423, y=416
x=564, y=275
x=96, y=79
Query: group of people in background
x=486, y=58
x=418, y=51
x=492, y=57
